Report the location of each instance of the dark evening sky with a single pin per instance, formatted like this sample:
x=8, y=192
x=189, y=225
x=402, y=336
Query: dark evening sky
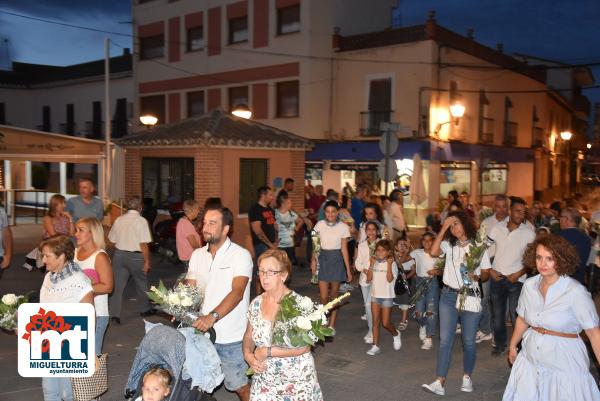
x=556, y=29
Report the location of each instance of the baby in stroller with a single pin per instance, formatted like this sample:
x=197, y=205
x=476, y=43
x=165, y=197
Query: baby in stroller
x=156, y=385
x=165, y=347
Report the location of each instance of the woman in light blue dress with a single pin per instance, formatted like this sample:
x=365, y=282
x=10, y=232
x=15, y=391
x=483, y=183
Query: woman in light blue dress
x=553, y=363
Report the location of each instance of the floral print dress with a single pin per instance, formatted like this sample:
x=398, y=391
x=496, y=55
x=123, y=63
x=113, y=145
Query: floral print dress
x=286, y=379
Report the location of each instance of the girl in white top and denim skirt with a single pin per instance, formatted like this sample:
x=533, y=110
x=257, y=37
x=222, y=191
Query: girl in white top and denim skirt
x=334, y=262
x=382, y=275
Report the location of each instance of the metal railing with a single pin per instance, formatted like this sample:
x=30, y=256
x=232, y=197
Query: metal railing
x=487, y=130
x=539, y=139
x=371, y=120
x=31, y=203
x=510, y=133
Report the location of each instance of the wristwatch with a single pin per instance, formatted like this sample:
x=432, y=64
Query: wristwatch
x=215, y=314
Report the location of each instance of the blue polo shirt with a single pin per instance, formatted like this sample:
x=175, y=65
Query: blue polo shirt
x=582, y=243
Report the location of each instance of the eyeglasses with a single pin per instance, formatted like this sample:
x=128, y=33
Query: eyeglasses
x=269, y=273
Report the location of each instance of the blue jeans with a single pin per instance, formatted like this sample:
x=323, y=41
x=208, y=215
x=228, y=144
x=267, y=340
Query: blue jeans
x=427, y=307
x=366, y=293
x=101, y=324
x=485, y=324
x=57, y=389
x=449, y=317
x=501, y=291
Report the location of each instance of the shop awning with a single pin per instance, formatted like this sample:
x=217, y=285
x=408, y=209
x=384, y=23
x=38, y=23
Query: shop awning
x=365, y=151
x=368, y=151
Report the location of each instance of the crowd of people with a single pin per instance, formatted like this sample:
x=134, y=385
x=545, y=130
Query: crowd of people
x=533, y=274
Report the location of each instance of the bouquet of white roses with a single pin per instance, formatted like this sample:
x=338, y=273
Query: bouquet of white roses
x=300, y=322
x=182, y=302
x=8, y=310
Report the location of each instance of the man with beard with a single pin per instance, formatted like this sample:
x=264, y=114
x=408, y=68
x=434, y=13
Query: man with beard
x=508, y=274
x=223, y=269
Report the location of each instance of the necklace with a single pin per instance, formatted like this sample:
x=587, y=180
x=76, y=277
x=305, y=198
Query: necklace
x=464, y=243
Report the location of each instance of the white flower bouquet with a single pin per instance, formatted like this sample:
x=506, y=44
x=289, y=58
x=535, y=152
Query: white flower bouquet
x=182, y=302
x=300, y=322
x=8, y=310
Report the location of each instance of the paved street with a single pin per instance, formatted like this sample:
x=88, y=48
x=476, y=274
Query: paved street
x=345, y=372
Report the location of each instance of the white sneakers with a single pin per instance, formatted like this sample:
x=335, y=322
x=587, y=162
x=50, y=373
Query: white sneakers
x=363, y=317
x=481, y=336
x=375, y=350
x=467, y=384
x=436, y=387
x=397, y=342
x=422, y=333
x=427, y=344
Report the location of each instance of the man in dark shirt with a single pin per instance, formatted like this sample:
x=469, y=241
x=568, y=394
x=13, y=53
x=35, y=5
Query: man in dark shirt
x=262, y=226
x=358, y=203
x=570, y=219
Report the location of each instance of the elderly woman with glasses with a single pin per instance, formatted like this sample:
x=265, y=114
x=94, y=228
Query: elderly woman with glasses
x=279, y=373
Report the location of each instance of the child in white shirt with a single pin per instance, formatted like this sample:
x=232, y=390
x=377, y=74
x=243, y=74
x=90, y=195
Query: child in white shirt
x=382, y=276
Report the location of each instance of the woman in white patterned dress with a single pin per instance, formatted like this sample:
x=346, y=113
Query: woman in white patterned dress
x=280, y=374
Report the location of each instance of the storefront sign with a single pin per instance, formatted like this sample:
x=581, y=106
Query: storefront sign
x=353, y=167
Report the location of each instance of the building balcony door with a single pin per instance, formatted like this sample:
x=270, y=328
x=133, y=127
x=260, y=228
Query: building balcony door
x=168, y=180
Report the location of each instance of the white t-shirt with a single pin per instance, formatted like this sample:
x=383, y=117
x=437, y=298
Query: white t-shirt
x=408, y=265
x=363, y=261
x=332, y=235
x=510, y=247
x=424, y=262
x=489, y=223
x=380, y=286
x=71, y=289
x=214, y=277
x=454, y=257
x=100, y=301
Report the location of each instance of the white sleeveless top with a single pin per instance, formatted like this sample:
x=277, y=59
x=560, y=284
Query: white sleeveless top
x=100, y=301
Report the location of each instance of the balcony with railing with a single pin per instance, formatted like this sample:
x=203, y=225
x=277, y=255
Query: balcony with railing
x=67, y=128
x=370, y=121
x=486, y=134
x=539, y=139
x=510, y=133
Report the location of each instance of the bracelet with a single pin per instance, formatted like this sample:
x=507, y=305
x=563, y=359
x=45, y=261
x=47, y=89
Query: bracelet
x=269, y=355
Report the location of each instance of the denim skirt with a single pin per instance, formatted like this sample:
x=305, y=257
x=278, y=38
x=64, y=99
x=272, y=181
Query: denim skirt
x=331, y=265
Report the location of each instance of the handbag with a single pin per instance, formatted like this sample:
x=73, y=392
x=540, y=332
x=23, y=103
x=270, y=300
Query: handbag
x=472, y=303
x=89, y=388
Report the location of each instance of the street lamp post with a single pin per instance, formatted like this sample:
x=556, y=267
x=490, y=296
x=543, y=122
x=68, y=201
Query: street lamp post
x=148, y=120
x=457, y=111
x=242, y=111
x=566, y=136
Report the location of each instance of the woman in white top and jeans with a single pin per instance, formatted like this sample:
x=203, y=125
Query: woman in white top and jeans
x=90, y=256
x=64, y=282
x=454, y=240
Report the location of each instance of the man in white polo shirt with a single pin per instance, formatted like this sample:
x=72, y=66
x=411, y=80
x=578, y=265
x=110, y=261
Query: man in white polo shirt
x=131, y=235
x=223, y=270
x=508, y=274
x=500, y=216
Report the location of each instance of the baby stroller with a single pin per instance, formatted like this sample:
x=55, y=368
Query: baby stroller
x=163, y=346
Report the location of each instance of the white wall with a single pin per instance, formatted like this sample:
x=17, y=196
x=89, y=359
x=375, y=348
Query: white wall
x=24, y=105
